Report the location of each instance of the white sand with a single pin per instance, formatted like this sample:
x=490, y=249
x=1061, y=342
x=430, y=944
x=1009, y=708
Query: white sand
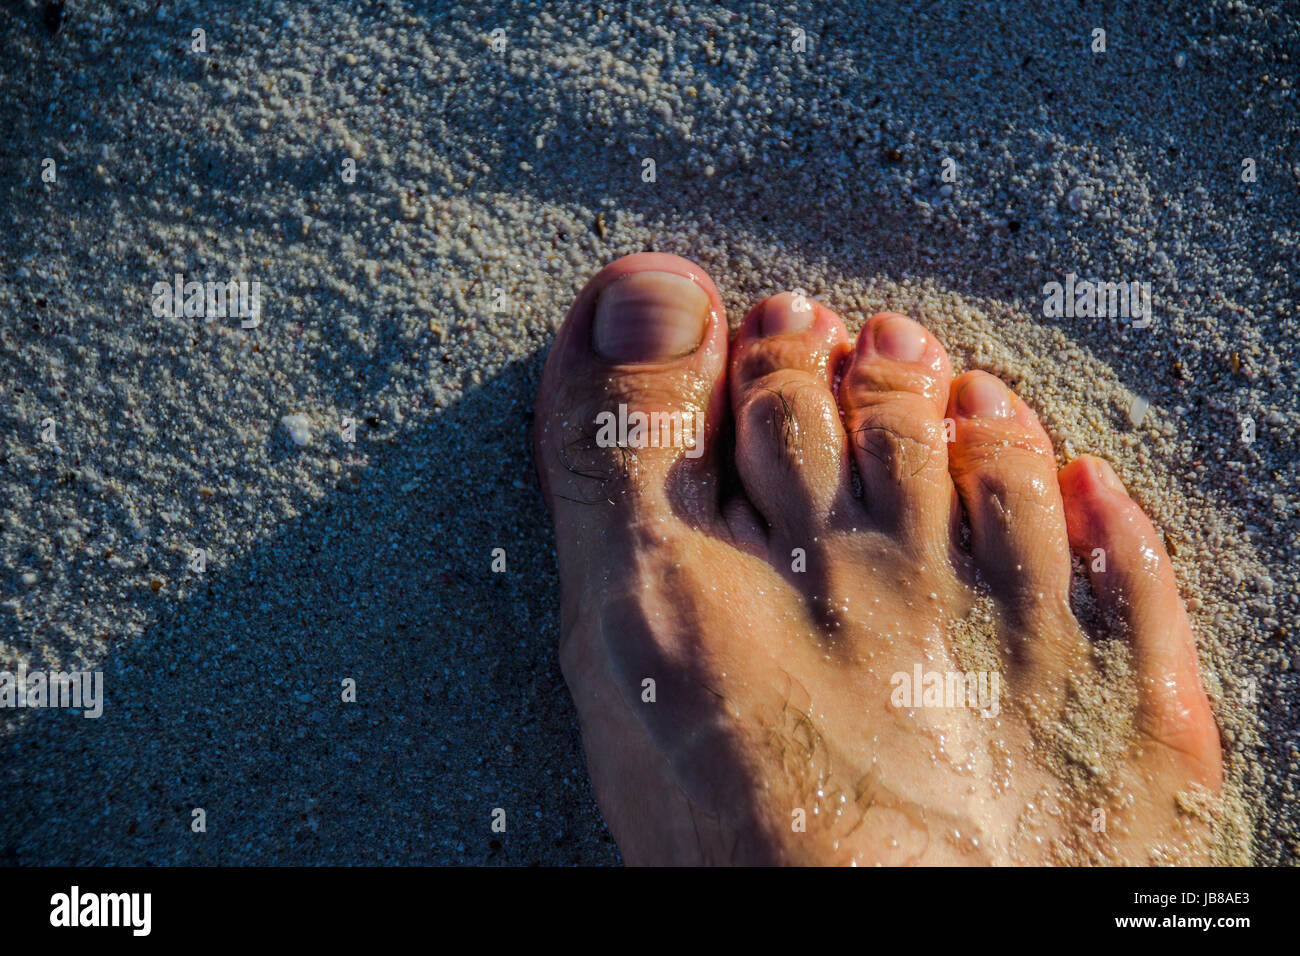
x=521, y=171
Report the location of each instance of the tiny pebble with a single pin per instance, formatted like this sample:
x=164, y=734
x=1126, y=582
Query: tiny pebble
x=299, y=428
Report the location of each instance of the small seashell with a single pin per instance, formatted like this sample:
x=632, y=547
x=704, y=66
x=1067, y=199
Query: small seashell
x=1138, y=410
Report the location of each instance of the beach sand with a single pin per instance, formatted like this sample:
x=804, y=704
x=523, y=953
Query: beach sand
x=418, y=300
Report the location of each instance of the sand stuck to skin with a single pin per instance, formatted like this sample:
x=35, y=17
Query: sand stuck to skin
x=418, y=300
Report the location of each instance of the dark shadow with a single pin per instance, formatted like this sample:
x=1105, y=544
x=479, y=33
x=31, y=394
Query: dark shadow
x=231, y=700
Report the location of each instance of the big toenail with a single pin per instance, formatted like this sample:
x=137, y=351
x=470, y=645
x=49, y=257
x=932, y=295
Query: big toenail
x=984, y=397
x=900, y=338
x=786, y=313
x=650, y=316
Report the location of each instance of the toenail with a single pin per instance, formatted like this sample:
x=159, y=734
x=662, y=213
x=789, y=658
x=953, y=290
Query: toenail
x=1106, y=475
x=900, y=338
x=650, y=316
x=786, y=313
x=984, y=397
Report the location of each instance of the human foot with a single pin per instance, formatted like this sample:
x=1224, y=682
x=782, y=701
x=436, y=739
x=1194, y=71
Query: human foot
x=743, y=621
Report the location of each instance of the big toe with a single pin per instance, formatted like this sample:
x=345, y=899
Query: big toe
x=631, y=397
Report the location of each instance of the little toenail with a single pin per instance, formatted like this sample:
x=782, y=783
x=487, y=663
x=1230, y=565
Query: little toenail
x=650, y=316
x=1106, y=474
x=786, y=313
x=901, y=339
x=984, y=397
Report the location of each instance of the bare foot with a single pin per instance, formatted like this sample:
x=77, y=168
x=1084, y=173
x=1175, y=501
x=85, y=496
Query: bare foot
x=785, y=645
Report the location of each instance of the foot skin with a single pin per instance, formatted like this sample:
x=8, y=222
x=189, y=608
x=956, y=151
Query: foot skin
x=757, y=612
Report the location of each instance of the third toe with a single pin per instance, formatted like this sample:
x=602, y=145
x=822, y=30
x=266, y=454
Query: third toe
x=893, y=396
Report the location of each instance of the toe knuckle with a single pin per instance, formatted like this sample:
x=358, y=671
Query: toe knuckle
x=772, y=356
x=788, y=412
x=903, y=440
x=604, y=435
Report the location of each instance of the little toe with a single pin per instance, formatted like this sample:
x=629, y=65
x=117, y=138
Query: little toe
x=1133, y=579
